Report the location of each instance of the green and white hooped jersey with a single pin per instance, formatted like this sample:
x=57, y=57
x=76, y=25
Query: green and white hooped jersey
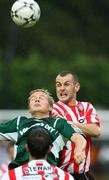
x=17, y=129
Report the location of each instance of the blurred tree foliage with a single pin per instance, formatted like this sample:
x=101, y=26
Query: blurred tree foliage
x=69, y=35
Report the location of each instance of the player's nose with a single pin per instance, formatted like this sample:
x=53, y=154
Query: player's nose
x=37, y=100
x=62, y=87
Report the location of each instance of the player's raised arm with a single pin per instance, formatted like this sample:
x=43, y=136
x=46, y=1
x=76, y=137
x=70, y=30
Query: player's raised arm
x=78, y=139
x=8, y=130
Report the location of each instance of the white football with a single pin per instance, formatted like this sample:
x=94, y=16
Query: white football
x=25, y=13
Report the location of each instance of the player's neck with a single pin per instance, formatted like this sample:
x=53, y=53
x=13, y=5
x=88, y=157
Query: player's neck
x=40, y=115
x=34, y=158
x=71, y=102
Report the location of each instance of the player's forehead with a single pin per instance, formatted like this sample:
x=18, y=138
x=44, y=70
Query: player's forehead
x=64, y=79
x=39, y=94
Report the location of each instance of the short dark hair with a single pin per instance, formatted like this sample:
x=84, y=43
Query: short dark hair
x=38, y=141
x=66, y=72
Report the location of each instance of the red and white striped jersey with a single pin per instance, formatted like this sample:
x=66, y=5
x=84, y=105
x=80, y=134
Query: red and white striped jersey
x=3, y=169
x=82, y=112
x=37, y=170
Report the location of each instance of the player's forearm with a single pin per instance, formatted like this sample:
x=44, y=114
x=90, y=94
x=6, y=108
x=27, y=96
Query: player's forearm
x=90, y=129
x=80, y=142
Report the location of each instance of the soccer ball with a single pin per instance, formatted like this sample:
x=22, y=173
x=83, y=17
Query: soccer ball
x=25, y=13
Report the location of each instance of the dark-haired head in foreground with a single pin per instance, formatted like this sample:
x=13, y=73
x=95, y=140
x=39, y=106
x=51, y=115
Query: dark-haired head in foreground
x=38, y=143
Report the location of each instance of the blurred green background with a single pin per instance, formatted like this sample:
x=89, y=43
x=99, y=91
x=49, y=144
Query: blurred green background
x=70, y=35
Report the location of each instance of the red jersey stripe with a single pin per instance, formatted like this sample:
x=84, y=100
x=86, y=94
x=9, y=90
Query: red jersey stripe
x=11, y=174
x=68, y=116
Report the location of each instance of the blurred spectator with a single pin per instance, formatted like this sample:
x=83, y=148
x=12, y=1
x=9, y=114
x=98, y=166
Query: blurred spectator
x=7, y=152
x=100, y=160
x=103, y=157
x=3, y=152
x=94, y=154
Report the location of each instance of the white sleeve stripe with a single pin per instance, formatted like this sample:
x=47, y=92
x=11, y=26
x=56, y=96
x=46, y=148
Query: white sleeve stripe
x=56, y=122
x=18, y=120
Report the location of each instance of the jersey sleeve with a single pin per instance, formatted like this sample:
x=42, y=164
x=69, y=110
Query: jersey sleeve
x=64, y=175
x=64, y=127
x=91, y=115
x=8, y=130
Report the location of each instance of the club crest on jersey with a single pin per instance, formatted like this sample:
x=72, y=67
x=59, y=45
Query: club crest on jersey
x=81, y=120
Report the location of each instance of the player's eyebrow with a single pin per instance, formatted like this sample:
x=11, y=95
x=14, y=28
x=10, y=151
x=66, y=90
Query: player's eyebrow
x=64, y=82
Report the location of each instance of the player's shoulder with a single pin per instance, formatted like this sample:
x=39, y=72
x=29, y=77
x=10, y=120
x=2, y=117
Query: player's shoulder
x=64, y=175
x=84, y=104
x=21, y=120
x=56, y=121
x=24, y=118
x=53, y=119
x=57, y=103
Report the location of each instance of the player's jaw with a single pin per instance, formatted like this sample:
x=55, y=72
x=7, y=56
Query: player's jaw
x=34, y=108
x=63, y=96
x=37, y=107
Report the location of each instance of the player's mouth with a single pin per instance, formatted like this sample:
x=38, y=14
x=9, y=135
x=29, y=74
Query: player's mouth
x=63, y=95
x=37, y=105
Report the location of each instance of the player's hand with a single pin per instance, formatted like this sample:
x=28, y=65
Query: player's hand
x=78, y=130
x=79, y=157
x=74, y=125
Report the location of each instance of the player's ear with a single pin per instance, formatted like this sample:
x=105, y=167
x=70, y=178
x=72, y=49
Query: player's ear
x=77, y=87
x=50, y=108
x=49, y=149
x=27, y=148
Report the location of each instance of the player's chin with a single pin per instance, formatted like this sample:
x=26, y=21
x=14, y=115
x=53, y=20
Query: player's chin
x=33, y=111
x=63, y=99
